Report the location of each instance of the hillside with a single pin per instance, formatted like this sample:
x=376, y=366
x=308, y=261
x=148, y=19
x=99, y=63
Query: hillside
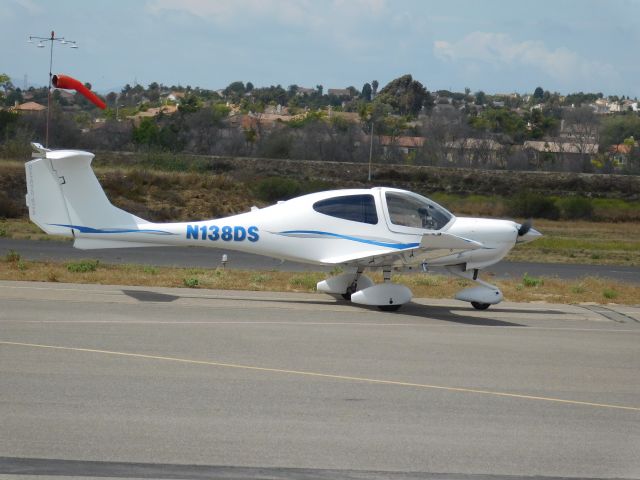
x=167, y=187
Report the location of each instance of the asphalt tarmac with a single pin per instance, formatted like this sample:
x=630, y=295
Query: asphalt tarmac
x=131, y=382
x=211, y=258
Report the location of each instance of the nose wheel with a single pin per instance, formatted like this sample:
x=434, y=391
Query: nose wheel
x=389, y=308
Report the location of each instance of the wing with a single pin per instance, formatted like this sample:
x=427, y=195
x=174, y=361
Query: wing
x=432, y=245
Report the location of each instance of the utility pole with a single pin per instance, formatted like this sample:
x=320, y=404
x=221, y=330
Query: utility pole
x=370, y=147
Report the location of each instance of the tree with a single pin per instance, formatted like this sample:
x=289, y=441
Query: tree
x=189, y=104
x=4, y=81
x=404, y=95
x=538, y=93
x=500, y=120
x=234, y=90
x=374, y=88
x=481, y=98
x=366, y=92
x=583, y=127
x=618, y=127
x=249, y=87
x=147, y=133
x=153, y=92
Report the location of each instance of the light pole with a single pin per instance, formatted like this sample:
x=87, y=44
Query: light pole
x=52, y=39
x=117, y=107
x=370, y=146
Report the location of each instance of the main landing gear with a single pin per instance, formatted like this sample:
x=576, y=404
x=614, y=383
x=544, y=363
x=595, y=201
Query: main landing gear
x=359, y=288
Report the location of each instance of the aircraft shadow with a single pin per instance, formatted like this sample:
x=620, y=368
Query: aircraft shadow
x=146, y=296
x=445, y=314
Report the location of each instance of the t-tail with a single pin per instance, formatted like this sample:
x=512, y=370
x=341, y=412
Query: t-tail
x=64, y=197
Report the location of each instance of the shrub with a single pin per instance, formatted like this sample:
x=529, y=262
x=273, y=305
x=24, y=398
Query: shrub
x=191, y=282
x=12, y=256
x=83, y=266
x=529, y=281
x=575, y=208
x=272, y=189
x=533, y=205
x=609, y=293
x=8, y=208
x=260, y=278
x=578, y=288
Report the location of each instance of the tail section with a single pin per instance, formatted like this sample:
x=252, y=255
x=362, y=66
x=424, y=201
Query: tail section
x=65, y=198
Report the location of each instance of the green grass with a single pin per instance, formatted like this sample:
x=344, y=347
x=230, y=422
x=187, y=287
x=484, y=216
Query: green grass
x=531, y=282
x=307, y=281
x=191, y=282
x=83, y=266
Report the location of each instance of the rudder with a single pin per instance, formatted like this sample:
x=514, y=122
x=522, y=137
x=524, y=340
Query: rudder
x=63, y=194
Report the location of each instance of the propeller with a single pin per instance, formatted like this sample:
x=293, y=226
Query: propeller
x=524, y=228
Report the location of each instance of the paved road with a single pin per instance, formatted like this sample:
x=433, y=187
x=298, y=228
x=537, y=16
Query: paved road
x=210, y=258
x=172, y=383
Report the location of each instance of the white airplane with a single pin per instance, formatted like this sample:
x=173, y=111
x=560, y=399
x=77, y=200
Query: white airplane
x=358, y=229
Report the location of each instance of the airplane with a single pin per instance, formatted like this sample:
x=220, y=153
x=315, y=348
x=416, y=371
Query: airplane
x=376, y=228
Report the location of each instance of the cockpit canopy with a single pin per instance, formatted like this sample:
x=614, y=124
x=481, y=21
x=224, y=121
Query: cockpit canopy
x=415, y=211
x=404, y=209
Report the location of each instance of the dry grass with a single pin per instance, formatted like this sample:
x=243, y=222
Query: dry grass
x=23, y=229
x=423, y=285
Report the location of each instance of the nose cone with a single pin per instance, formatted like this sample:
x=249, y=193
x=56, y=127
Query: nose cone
x=531, y=235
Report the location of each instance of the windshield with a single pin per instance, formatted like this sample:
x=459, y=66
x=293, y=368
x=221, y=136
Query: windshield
x=415, y=211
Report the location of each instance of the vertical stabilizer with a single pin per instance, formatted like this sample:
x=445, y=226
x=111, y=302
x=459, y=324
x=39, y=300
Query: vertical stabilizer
x=64, y=196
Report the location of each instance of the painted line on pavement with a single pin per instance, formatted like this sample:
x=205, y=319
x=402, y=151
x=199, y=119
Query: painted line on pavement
x=326, y=375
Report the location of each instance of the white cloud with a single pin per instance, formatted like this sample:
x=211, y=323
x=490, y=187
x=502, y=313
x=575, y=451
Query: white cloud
x=500, y=49
x=30, y=6
x=304, y=13
x=336, y=22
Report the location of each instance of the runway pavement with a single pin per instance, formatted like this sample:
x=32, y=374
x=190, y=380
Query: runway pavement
x=107, y=381
x=211, y=258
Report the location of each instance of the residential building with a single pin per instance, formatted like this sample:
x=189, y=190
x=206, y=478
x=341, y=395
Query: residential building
x=30, y=107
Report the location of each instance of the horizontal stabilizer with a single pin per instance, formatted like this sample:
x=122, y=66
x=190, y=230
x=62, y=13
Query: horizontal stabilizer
x=98, y=243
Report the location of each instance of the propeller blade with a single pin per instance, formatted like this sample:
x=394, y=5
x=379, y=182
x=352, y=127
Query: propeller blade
x=524, y=228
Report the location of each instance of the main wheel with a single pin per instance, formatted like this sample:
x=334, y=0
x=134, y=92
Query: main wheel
x=480, y=306
x=350, y=291
x=389, y=308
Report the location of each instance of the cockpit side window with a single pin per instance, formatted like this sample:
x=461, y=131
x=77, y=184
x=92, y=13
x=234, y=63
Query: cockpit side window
x=357, y=208
x=416, y=212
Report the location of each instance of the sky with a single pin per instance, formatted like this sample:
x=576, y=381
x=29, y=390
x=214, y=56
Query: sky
x=498, y=46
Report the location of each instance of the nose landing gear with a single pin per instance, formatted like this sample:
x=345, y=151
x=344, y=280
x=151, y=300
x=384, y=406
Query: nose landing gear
x=483, y=295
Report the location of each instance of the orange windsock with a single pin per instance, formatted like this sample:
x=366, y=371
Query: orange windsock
x=69, y=83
